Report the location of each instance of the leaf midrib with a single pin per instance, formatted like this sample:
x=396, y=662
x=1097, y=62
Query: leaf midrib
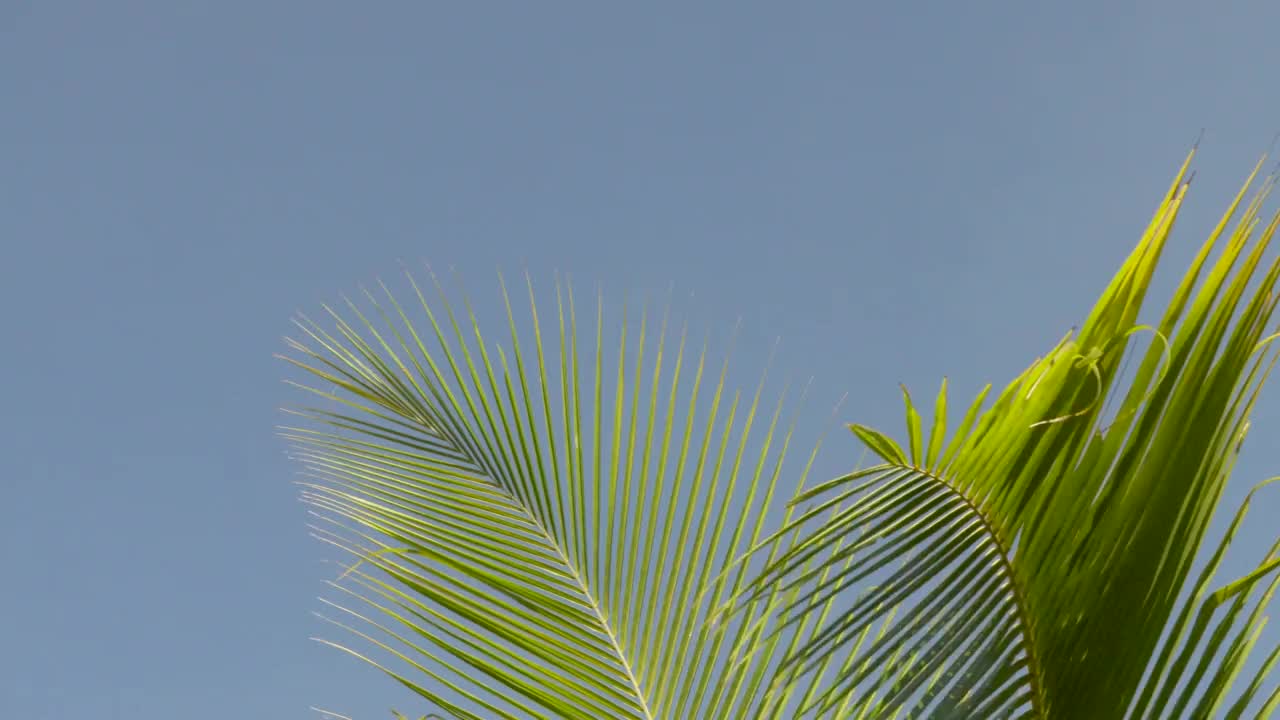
x=583, y=587
x=1019, y=595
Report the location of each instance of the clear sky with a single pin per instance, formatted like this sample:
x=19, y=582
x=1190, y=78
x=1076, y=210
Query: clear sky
x=897, y=190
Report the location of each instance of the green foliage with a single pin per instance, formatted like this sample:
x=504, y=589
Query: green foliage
x=596, y=527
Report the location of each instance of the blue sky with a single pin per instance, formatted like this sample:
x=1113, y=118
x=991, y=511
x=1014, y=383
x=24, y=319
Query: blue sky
x=896, y=193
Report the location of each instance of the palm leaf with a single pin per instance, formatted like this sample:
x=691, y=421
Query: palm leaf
x=540, y=529
x=1043, y=557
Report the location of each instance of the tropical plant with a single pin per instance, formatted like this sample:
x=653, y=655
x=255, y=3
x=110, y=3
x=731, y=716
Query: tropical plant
x=604, y=530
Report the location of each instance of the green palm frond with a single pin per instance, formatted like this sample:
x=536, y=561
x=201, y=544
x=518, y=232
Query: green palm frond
x=1042, y=559
x=541, y=529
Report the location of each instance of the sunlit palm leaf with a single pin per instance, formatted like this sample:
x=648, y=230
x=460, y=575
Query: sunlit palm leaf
x=541, y=529
x=1043, y=556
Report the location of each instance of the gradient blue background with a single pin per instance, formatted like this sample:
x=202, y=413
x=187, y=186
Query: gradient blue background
x=898, y=190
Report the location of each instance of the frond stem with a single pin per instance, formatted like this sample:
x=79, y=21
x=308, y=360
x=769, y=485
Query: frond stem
x=1019, y=595
x=582, y=585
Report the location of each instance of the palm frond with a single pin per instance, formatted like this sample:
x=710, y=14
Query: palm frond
x=540, y=529
x=1042, y=558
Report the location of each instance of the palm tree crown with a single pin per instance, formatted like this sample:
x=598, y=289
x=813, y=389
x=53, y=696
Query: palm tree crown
x=589, y=524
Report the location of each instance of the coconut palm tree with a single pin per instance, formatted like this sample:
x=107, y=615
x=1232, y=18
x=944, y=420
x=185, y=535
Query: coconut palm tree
x=594, y=525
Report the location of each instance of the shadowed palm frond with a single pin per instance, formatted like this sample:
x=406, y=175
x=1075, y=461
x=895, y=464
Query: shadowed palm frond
x=1041, y=559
